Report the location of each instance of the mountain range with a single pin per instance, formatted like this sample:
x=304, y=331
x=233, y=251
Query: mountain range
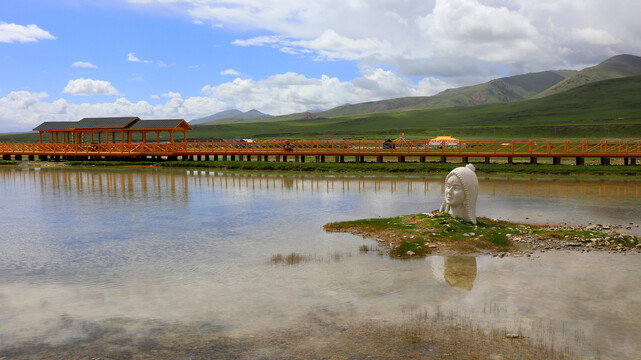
x=230, y=116
x=502, y=90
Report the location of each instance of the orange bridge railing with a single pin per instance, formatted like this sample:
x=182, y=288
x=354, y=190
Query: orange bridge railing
x=584, y=149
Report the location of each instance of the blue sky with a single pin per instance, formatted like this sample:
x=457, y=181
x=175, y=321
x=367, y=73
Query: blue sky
x=68, y=59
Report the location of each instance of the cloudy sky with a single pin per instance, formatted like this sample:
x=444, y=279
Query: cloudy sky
x=68, y=59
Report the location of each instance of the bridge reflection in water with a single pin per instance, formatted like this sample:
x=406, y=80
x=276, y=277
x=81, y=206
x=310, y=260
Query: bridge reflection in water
x=178, y=183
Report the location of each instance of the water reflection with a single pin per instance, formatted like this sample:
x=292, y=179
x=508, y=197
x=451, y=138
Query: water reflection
x=177, y=183
x=189, y=246
x=460, y=271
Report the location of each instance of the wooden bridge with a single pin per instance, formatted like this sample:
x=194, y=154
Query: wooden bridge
x=629, y=151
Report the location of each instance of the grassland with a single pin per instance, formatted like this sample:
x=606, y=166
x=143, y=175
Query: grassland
x=605, y=109
x=422, y=234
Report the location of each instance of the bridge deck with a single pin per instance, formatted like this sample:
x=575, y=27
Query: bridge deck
x=534, y=149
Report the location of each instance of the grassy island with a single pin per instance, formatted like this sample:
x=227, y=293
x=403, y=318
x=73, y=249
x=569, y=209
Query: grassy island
x=422, y=234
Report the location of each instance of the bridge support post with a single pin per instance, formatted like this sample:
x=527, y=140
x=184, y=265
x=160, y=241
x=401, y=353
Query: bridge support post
x=31, y=157
x=580, y=161
x=605, y=161
x=533, y=160
x=510, y=160
x=284, y=158
x=18, y=157
x=322, y=158
x=6, y=157
x=443, y=159
x=233, y=158
x=465, y=160
x=487, y=160
x=224, y=157
x=401, y=159
x=56, y=158
x=199, y=157
x=296, y=158
x=317, y=157
x=206, y=157
x=626, y=161
x=215, y=157
x=422, y=159
x=633, y=161
x=556, y=161
x=185, y=157
x=379, y=159
x=342, y=159
x=42, y=157
x=277, y=158
x=361, y=159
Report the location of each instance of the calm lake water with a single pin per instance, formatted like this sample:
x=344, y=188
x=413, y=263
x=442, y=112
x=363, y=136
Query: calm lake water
x=81, y=247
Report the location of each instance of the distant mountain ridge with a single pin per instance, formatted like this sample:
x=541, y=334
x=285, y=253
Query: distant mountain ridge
x=613, y=68
x=501, y=90
x=507, y=89
x=230, y=115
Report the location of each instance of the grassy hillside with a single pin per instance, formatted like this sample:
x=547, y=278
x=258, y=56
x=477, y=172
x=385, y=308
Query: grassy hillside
x=605, y=109
x=615, y=67
x=609, y=108
x=506, y=89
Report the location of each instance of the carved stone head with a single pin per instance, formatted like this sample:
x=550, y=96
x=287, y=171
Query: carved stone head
x=461, y=192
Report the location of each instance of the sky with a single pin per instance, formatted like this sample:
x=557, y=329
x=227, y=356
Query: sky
x=69, y=59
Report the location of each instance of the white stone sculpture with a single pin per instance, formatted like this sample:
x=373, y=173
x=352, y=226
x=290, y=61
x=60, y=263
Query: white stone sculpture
x=461, y=191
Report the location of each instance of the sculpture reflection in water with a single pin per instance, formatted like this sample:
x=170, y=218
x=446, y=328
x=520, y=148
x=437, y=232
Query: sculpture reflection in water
x=460, y=271
x=461, y=192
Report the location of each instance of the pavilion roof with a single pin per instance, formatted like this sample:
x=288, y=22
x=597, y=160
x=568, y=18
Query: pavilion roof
x=110, y=122
x=56, y=125
x=160, y=124
x=115, y=123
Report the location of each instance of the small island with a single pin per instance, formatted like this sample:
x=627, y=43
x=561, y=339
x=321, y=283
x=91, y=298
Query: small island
x=439, y=233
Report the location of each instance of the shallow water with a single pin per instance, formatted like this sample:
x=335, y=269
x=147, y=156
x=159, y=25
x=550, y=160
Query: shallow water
x=82, y=247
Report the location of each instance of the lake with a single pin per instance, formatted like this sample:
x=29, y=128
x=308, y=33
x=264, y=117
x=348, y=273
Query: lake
x=142, y=251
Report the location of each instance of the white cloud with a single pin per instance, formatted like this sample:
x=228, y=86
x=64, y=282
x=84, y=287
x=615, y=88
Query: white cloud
x=230, y=72
x=594, y=36
x=424, y=37
x=277, y=94
x=132, y=57
x=84, y=86
x=292, y=92
x=84, y=64
x=10, y=32
x=22, y=110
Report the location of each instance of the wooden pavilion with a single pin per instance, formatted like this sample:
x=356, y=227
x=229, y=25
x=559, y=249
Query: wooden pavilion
x=115, y=130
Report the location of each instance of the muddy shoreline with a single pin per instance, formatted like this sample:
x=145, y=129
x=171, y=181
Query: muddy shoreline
x=438, y=234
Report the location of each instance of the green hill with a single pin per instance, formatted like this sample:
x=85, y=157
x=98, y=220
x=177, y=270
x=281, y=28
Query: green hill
x=615, y=67
x=506, y=89
x=610, y=108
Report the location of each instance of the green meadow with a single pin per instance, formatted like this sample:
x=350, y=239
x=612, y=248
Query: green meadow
x=609, y=109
